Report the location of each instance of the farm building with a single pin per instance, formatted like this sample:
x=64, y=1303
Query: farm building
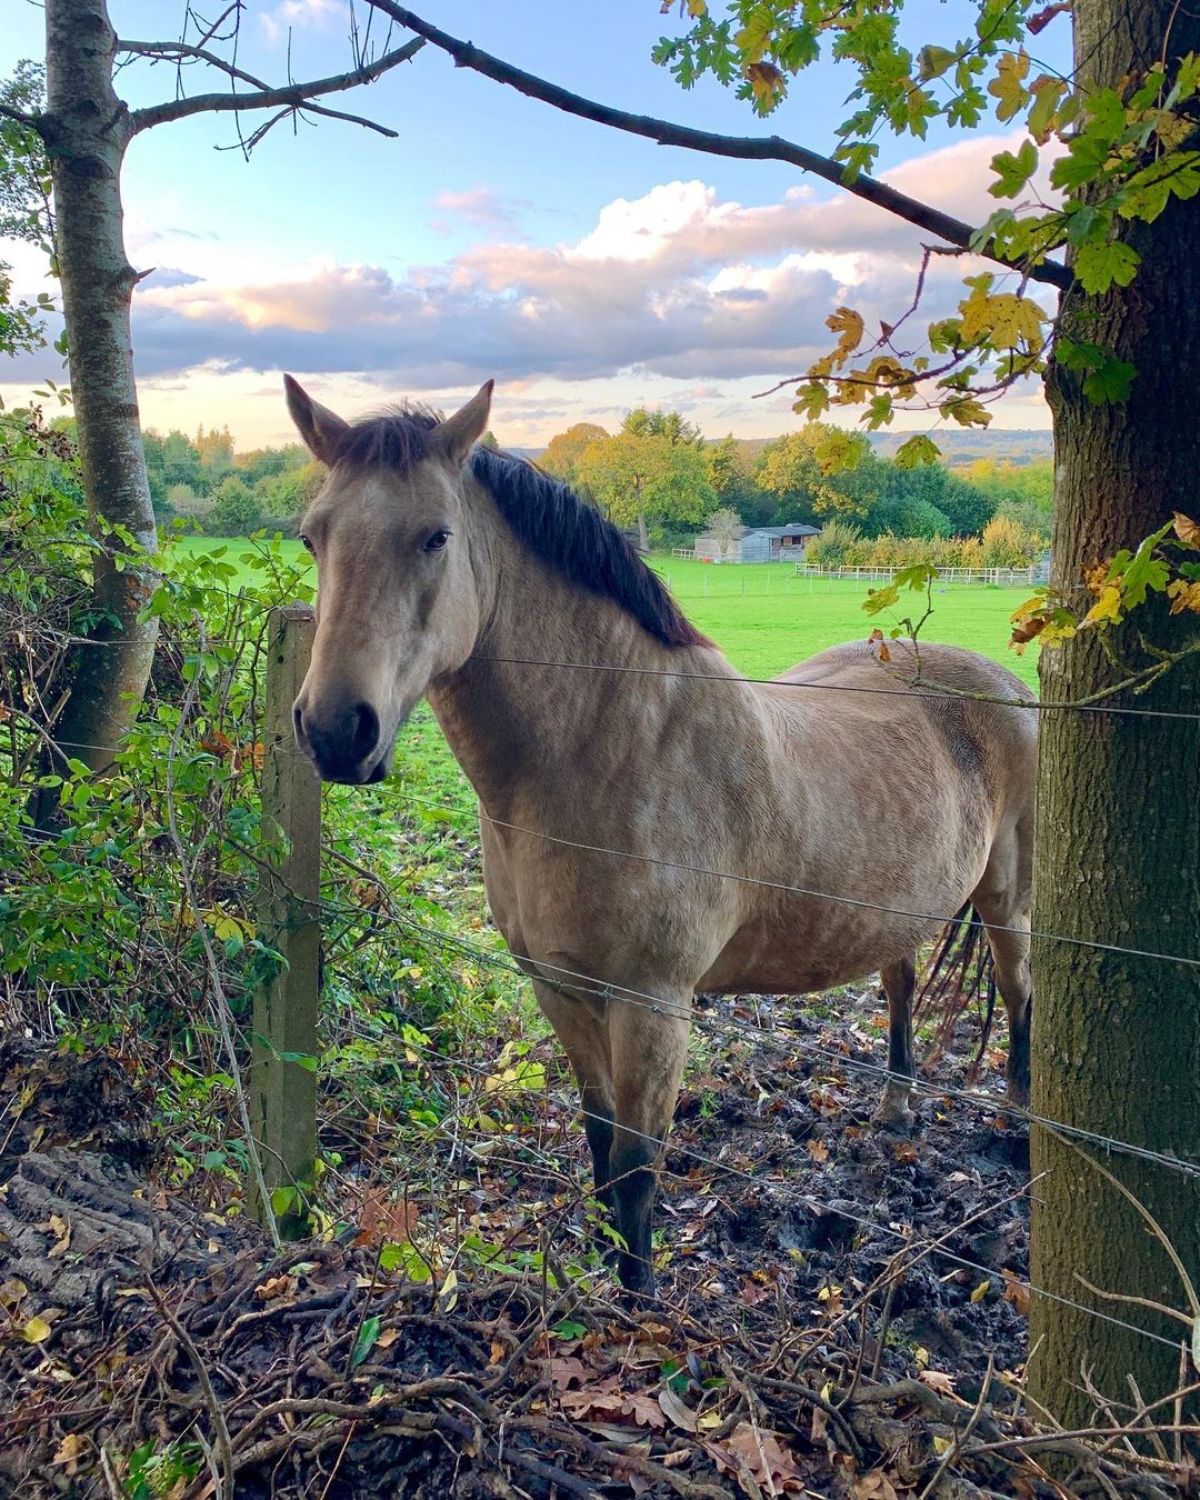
x=757, y=544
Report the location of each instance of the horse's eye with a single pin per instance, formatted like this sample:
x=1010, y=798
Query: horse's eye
x=437, y=541
x=306, y=544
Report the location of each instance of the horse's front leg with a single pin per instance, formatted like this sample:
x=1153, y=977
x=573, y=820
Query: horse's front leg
x=899, y=983
x=581, y=1025
x=648, y=1048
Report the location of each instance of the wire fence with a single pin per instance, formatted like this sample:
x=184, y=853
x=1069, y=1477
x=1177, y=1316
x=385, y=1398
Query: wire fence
x=609, y=991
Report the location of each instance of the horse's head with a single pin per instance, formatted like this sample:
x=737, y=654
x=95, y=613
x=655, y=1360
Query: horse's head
x=397, y=604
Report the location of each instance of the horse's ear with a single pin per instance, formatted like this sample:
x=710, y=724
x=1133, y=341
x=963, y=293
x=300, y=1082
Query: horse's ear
x=456, y=436
x=321, y=429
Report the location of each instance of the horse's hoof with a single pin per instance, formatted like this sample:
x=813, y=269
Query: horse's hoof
x=893, y=1114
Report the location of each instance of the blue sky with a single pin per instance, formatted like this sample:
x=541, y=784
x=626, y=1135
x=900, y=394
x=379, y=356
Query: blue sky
x=585, y=269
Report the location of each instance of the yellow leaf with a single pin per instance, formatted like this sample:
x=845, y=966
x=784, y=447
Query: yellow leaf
x=1007, y=87
x=12, y=1292
x=1003, y=318
x=36, y=1331
x=68, y=1451
x=848, y=325
x=981, y=1291
x=62, y=1243
x=941, y=1445
x=1107, y=607
x=1187, y=530
x=448, y=1292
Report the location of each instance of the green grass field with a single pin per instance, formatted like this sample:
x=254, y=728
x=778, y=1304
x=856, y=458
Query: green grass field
x=765, y=618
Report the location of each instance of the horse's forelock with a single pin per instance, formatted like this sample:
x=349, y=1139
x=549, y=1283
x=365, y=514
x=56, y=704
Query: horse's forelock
x=395, y=439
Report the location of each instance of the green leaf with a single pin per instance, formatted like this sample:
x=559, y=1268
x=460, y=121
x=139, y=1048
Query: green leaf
x=1099, y=266
x=915, y=451
x=1013, y=172
x=368, y=1334
x=1110, y=382
x=567, y=1330
x=285, y=1200
x=303, y=1060
x=932, y=62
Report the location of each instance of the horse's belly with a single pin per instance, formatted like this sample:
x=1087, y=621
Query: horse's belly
x=764, y=959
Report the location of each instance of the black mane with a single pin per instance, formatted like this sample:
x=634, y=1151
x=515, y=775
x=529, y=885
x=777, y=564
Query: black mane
x=544, y=514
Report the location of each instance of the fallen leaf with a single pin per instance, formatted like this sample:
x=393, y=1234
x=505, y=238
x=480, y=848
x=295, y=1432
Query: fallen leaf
x=937, y=1380
x=36, y=1331
x=758, y=1459
x=275, y=1287
x=818, y=1150
x=387, y=1338
x=12, y=1292
x=874, y=1486
x=981, y=1291
x=68, y=1451
x=676, y=1410
x=1016, y=1291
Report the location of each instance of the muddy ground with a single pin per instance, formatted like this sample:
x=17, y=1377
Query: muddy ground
x=832, y=1299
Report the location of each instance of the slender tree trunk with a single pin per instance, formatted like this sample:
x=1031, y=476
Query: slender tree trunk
x=1117, y=1038
x=86, y=130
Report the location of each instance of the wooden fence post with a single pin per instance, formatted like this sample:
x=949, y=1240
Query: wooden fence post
x=283, y=1092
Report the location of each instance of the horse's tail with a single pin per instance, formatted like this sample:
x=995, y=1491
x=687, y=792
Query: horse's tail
x=959, y=973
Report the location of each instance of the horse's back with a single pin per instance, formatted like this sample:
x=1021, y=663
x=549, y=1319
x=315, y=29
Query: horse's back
x=976, y=707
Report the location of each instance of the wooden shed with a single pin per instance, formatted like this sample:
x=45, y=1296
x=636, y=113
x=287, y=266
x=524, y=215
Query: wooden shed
x=757, y=544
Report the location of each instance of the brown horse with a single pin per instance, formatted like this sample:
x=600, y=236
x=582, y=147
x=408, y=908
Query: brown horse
x=653, y=824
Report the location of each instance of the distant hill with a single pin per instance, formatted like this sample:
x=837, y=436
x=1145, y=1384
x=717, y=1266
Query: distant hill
x=1019, y=445
x=964, y=446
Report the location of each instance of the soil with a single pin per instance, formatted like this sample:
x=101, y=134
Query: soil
x=832, y=1300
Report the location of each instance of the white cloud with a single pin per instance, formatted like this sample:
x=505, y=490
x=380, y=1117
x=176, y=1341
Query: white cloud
x=296, y=15
x=675, y=290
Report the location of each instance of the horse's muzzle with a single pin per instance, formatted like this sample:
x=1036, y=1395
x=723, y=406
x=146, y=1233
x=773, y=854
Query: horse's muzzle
x=342, y=741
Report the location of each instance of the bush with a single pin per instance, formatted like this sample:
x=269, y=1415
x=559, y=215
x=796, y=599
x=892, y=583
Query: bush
x=1008, y=544
x=831, y=547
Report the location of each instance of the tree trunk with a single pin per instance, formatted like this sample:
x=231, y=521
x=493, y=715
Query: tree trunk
x=1116, y=1037
x=86, y=131
x=643, y=534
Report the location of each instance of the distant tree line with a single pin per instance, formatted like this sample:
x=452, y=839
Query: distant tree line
x=659, y=474
x=660, y=477
x=228, y=493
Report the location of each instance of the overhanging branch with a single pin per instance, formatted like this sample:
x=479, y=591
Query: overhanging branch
x=292, y=96
x=7, y=112
x=748, y=148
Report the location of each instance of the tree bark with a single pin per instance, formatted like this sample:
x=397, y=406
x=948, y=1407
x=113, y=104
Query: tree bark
x=1117, y=1038
x=86, y=130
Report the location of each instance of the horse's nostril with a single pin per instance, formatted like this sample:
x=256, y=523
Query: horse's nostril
x=366, y=730
x=298, y=723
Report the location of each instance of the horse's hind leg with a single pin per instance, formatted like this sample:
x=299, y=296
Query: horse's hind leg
x=1009, y=942
x=1003, y=902
x=899, y=983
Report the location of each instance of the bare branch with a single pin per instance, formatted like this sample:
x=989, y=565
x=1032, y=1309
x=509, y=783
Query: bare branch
x=178, y=52
x=292, y=96
x=750, y=148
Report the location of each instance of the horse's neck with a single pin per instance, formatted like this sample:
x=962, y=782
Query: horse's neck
x=559, y=678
